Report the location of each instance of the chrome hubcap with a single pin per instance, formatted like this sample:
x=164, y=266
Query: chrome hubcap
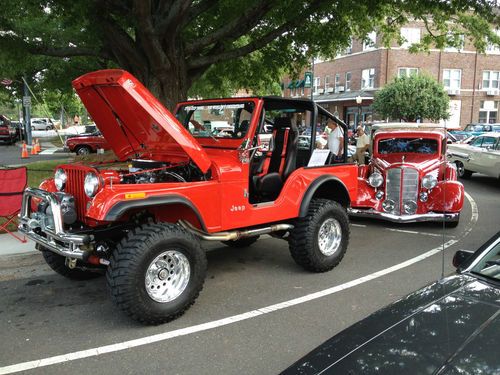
x=329, y=237
x=167, y=276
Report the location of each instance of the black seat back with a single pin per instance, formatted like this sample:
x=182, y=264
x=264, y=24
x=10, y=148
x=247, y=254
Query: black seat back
x=281, y=126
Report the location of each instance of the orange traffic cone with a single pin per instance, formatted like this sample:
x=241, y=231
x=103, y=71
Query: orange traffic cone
x=24, y=153
x=33, y=148
x=38, y=148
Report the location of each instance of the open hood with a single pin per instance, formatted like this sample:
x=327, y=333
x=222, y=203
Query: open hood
x=134, y=122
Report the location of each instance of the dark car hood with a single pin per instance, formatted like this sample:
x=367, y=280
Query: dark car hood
x=450, y=327
x=134, y=122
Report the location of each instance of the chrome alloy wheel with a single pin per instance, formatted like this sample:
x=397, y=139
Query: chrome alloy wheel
x=329, y=237
x=167, y=276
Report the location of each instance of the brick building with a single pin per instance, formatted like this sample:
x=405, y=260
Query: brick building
x=471, y=78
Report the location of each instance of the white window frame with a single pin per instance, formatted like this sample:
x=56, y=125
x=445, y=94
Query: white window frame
x=348, y=81
x=448, y=76
x=490, y=80
x=407, y=72
x=317, y=84
x=368, y=79
x=491, y=48
x=455, y=49
x=411, y=35
x=371, y=44
x=337, y=81
x=488, y=110
x=327, y=83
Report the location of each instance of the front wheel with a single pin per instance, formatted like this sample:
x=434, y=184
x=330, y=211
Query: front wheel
x=83, y=150
x=319, y=240
x=58, y=264
x=461, y=171
x=156, y=273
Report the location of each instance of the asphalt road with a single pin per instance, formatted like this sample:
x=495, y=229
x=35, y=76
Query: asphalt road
x=43, y=315
x=11, y=155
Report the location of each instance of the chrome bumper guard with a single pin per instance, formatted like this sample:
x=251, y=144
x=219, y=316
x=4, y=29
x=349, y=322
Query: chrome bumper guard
x=431, y=216
x=55, y=239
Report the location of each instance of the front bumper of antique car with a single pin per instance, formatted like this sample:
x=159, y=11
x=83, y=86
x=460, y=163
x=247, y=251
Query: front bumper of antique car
x=415, y=218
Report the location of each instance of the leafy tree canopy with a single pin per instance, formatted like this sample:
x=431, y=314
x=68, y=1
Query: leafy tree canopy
x=411, y=98
x=211, y=47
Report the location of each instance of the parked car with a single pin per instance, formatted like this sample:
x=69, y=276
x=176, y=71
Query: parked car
x=84, y=144
x=479, y=128
x=448, y=327
x=408, y=178
x=40, y=123
x=481, y=155
x=8, y=133
x=140, y=218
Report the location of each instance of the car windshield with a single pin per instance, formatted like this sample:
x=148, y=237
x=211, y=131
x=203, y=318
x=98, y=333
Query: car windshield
x=407, y=145
x=219, y=120
x=489, y=265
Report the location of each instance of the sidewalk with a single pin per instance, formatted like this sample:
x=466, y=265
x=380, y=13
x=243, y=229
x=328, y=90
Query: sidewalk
x=10, y=246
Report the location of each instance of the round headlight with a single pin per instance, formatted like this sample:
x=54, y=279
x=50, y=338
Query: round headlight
x=375, y=180
x=91, y=184
x=410, y=207
x=429, y=181
x=60, y=179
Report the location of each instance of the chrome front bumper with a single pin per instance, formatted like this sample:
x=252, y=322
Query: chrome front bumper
x=52, y=237
x=431, y=216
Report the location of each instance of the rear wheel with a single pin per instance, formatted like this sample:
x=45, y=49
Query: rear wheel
x=461, y=171
x=58, y=264
x=242, y=242
x=156, y=273
x=319, y=240
x=83, y=150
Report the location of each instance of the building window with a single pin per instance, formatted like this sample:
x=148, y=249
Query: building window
x=327, y=83
x=493, y=48
x=337, y=82
x=461, y=41
x=348, y=81
x=452, y=79
x=317, y=84
x=411, y=35
x=488, y=112
x=490, y=79
x=368, y=78
x=370, y=42
x=348, y=49
x=407, y=72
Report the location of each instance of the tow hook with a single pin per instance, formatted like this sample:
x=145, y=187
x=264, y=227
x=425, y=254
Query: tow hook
x=71, y=263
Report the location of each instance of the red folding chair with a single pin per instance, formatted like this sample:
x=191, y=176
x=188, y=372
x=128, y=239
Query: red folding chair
x=12, y=184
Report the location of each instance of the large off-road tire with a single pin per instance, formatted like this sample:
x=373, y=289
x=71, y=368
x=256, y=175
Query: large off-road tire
x=461, y=171
x=319, y=240
x=156, y=273
x=57, y=263
x=242, y=242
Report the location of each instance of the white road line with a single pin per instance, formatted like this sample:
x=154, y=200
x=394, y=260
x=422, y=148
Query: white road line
x=358, y=225
x=416, y=232
x=24, y=366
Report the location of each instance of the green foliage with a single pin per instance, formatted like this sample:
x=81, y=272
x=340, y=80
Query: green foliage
x=211, y=47
x=411, y=98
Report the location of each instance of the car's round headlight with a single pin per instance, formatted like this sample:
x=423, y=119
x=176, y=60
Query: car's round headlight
x=91, y=184
x=375, y=179
x=429, y=181
x=60, y=179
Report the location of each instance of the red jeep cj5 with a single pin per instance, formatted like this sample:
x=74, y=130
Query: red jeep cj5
x=178, y=180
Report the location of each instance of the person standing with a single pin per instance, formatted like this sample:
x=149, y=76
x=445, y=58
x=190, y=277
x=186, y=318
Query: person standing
x=335, y=140
x=362, y=145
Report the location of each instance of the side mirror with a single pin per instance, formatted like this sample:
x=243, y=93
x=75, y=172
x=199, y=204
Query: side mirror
x=460, y=257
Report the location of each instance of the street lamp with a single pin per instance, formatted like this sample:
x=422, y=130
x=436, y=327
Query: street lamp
x=359, y=100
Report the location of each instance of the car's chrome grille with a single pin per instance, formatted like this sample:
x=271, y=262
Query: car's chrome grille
x=74, y=186
x=401, y=186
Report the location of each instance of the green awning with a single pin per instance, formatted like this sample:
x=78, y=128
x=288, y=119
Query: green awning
x=300, y=83
x=291, y=85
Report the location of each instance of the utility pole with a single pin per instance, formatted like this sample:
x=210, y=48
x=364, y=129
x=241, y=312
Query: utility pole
x=27, y=112
x=312, y=79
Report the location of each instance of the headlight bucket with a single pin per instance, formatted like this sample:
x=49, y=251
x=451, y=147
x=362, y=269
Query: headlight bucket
x=91, y=184
x=376, y=180
x=429, y=181
x=60, y=179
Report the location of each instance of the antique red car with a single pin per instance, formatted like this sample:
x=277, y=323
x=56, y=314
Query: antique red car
x=84, y=144
x=140, y=219
x=408, y=178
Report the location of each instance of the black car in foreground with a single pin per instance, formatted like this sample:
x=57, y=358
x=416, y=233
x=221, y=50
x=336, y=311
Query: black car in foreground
x=449, y=327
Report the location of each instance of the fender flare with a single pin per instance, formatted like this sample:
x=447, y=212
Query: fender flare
x=118, y=209
x=314, y=186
